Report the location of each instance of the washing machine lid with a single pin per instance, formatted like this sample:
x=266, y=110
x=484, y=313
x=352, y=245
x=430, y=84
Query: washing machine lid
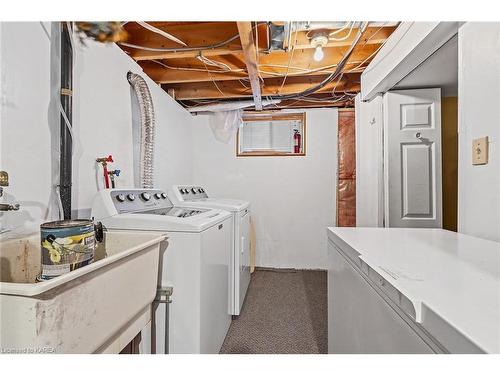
x=175, y=220
x=150, y=209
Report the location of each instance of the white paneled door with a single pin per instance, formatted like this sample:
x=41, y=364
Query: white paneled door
x=412, y=158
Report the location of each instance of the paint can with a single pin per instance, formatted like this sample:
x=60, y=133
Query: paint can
x=66, y=245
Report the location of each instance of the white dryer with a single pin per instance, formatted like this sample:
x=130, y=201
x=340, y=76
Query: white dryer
x=195, y=264
x=239, y=272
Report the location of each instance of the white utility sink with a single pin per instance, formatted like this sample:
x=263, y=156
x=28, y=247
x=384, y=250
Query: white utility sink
x=95, y=309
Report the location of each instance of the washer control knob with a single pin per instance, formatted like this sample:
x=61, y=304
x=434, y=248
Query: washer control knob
x=157, y=195
x=200, y=190
x=182, y=191
x=186, y=191
x=145, y=196
x=193, y=190
x=164, y=196
x=120, y=197
x=131, y=197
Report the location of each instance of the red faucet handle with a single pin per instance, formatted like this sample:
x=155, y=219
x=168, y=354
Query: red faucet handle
x=108, y=159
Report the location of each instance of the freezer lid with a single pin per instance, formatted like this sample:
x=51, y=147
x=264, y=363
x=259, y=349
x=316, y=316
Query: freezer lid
x=452, y=280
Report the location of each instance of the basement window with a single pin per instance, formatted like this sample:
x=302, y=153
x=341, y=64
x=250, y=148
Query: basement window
x=272, y=134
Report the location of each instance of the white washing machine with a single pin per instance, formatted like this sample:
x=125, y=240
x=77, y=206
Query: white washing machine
x=239, y=272
x=195, y=264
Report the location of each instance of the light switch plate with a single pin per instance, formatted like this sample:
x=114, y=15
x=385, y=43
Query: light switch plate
x=480, y=151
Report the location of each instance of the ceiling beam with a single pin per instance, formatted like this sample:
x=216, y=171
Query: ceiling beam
x=312, y=101
x=249, y=51
x=195, y=34
x=272, y=65
x=215, y=34
x=140, y=55
x=304, y=104
x=271, y=86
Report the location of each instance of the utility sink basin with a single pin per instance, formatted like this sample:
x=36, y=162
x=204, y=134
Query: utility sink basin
x=95, y=309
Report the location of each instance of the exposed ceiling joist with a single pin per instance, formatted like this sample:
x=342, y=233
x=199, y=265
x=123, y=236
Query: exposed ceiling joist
x=222, y=61
x=372, y=35
x=272, y=65
x=271, y=86
x=249, y=51
x=141, y=55
x=312, y=101
x=194, y=34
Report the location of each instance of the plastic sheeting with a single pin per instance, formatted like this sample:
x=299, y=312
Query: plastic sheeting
x=346, y=187
x=225, y=124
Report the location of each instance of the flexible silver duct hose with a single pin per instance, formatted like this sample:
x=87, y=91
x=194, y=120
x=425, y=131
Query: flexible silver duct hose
x=147, y=128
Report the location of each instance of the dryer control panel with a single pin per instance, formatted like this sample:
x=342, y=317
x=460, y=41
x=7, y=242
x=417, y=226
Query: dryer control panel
x=139, y=200
x=188, y=193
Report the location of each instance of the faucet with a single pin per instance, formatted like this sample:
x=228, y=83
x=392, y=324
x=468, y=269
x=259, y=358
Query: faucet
x=112, y=175
x=4, y=181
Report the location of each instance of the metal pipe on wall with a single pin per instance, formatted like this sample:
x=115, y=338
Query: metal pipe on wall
x=66, y=142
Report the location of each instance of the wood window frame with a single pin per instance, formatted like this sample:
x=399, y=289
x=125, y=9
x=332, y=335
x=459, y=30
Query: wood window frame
x=272, y=116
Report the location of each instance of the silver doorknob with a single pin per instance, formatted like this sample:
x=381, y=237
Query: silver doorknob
x=418, y=135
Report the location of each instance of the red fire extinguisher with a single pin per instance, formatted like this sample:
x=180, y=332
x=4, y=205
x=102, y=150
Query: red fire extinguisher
x=297, y=139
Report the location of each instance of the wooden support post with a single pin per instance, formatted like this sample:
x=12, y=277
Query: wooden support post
x=249, y=51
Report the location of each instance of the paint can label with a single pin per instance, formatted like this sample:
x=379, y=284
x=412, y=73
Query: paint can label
x=66, y=248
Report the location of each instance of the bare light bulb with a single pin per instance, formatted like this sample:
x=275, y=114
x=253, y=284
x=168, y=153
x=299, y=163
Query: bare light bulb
x=318, y=54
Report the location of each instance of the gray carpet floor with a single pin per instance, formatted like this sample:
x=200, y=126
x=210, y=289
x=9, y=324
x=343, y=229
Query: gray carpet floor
x=285, y=311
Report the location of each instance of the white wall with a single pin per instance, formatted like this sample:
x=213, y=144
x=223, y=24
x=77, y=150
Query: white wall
x=104, y=101
x=26, y=139
x=369, y=163
x=102, y=122
x=292, y=198
x=479, y=115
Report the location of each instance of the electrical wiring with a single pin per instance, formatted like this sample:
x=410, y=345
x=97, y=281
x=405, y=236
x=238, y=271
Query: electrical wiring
x=187, y=49
x=213, y=81
x=158, y=31
x=302, y=71
x=373, y=35
x=368, y=58
x=338, y=72
x=218, y=64
x=319, y=100
x=332, y=76
x=196, y=69
x=344, y=37
x=338, y=100
x=289, y=62
x=337, y=83
x=257, y=57
x=242, y=84
x=346, y=25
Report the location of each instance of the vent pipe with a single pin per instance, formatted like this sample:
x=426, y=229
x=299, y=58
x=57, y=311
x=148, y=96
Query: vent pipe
x=66, y=142
x=145, y=99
